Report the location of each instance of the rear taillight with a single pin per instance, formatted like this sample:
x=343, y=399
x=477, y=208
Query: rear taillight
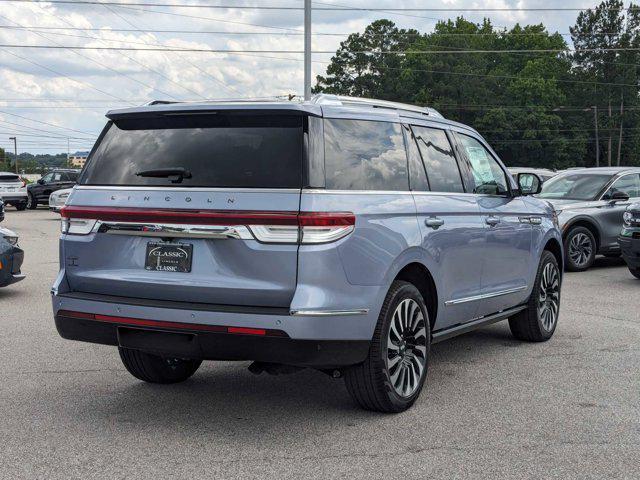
x=265, y=226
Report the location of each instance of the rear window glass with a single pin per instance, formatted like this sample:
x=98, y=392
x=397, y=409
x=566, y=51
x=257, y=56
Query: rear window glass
x=364, y=155
x=235, y=151
x=9, y=178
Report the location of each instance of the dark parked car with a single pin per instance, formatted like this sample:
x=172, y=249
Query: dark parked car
x=38, y=192
x=11, y=257
x=1, y=210
x=629, y=239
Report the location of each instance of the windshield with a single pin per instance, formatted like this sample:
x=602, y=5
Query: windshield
x=574, y=186
x=225, y=150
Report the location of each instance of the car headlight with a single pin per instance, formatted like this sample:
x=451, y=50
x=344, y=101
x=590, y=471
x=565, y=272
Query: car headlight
x=627, y=217
x=9, y=235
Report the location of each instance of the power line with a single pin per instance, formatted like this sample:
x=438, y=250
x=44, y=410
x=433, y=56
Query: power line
x=332, y=52
x=46, y=123
x=201, y=70
x=331, y=8
x=146, y=67
x=330, y=34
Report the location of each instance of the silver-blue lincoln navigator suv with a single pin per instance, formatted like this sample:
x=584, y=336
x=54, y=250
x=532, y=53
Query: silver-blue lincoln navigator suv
x=341, y=234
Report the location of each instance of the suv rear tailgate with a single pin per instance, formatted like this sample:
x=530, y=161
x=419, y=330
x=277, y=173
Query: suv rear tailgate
x=243, y=173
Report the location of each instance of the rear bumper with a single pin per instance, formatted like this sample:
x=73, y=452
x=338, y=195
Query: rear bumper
x=209, y=342
x=12, y=198
x=11, y=261
x=630, y=250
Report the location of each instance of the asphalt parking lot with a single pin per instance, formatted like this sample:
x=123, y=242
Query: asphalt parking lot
x=493, y=407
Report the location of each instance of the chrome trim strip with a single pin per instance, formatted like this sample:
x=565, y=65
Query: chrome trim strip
x=329, y=313
x=188, y=189
x=313, y=191
x=168, y=230
x=484, y=296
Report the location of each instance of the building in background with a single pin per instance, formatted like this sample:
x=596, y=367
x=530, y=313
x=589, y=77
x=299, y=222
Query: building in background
x=78, y=159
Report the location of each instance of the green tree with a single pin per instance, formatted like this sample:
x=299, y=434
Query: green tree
x=604, y=35
x=375, y=75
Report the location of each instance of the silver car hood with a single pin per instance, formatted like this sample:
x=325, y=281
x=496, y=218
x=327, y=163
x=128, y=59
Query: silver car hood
x=562, y=204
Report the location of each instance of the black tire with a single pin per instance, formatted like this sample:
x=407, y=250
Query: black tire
x=586, y=246
x=370, y=383
x=155, y=369
x=530, y=324
x=21, y=206
x=635, y=272
x=32, y=203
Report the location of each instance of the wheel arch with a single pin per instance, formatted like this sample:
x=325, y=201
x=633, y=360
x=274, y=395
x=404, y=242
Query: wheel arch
x=586, y=223
x=419, y=275
x=553, y=245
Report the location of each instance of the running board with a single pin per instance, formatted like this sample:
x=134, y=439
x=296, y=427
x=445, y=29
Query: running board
x=459, y=329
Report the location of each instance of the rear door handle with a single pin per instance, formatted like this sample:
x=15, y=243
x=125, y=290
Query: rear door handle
x=434, y=222
x=493, y=221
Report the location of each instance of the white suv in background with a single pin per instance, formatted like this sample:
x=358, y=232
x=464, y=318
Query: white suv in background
x=13, y=190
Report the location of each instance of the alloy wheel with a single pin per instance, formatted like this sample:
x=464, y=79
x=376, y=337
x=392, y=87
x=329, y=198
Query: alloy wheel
x=407, y=347
x=580, y=249
x=549, y=296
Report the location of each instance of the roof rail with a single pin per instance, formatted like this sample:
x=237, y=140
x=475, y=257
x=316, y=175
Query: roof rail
x=339, y=100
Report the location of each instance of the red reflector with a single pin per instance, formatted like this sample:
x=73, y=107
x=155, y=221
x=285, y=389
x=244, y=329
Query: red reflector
x=141, y=322
x=326, y=219
x=247, y=331
x=182, y=216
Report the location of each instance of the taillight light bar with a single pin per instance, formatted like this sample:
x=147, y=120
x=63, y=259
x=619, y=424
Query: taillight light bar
x=141, y=322
x=265, y=226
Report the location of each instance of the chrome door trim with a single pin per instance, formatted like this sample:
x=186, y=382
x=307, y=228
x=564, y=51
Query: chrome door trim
x=329, y=313
x=169, y=230
x=484, y=296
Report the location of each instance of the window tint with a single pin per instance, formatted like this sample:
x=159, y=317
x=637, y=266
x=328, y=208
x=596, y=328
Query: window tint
x=71, y=176
x=363, y=155
x=417, y=175
x=441, y=165
x=488, y=176
x=222, y=150
x=629, y=184
x=57, y=177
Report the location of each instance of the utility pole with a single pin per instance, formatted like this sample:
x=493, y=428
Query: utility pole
x=595, y=117
x=15, y=150
x=609, y=141
x=307, y=49
x=620, y=136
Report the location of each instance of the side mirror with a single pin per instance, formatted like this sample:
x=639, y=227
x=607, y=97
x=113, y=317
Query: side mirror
x=529, y=183
x=40, y=181
x=619, y=196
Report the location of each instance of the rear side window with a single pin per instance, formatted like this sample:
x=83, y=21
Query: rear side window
x=439, y=160
x=9, y=178
x=417, y=176
x=218, y=150
x=70, y=177
x=364, y=155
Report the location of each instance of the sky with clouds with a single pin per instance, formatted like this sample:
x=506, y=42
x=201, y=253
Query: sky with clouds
x=50, y=95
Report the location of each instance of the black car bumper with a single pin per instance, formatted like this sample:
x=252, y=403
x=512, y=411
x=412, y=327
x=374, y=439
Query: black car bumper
x=630, y=247
x=13, y=200
x=204, y=342
x=10, y=262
